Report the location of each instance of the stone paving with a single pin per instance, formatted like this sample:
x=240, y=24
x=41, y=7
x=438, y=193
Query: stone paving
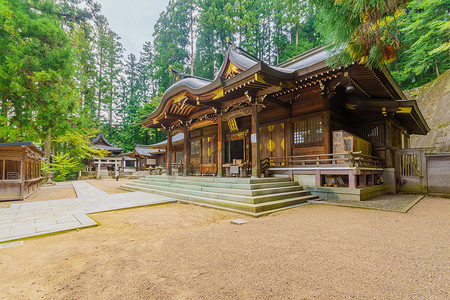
x=84, y=189
x=22, y=220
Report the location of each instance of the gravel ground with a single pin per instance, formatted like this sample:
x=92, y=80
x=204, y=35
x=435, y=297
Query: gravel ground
x=178, y=251
x=390, y=202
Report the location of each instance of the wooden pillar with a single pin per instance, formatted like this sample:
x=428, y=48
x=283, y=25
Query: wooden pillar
x=288, y=136
x=363, y=179
x=388, y=142
x=351, y=180
x=169, y=152
x=326, y=133
x=23, y=169
x=186, y=152
x=220, y=147
x=318, y=178
x=255, y=140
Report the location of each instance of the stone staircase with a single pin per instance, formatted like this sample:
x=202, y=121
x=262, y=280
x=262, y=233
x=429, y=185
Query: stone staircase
x=250, y=196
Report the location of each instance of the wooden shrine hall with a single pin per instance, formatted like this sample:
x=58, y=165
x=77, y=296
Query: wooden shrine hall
x=301, y=117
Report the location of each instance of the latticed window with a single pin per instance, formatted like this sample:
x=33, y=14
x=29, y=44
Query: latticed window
x=308, y=131
x=196, y=147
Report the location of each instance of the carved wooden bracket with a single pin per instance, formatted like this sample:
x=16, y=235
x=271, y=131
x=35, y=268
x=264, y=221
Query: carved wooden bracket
x=237, y=113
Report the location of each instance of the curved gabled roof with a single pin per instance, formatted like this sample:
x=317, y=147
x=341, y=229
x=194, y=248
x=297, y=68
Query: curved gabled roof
x=195, y=98
x=306, y=59
x=236, y=62
x=100, y=142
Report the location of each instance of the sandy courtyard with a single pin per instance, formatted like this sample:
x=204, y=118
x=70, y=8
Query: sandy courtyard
x=177, y=251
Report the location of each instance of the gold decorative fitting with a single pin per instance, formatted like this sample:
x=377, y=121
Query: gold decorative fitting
x=231, y=71
x=404, y=110
x=259, y=78
x=218, y=94
x=351, y=106
x=232, y=125
x=178, y=98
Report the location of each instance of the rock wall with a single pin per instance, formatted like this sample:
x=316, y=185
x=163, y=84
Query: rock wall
x=433, y=100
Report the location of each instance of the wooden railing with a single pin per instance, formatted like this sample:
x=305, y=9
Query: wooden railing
x=351, y=159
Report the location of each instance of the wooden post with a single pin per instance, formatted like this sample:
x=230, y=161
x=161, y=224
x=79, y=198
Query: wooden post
x=318, y=178
x=255, y=140
x=388, y=142
x=220, y=146
x=288, y=135
x=326, y=133
x=169, y=152
x=351, y=180
x=363, y=179
x=186, y=152
x=22, y=175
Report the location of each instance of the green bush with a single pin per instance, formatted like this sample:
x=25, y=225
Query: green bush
x=65, y=167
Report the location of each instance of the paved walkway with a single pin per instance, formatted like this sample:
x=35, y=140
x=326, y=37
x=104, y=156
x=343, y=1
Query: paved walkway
x=22, y=220
x=84, y=189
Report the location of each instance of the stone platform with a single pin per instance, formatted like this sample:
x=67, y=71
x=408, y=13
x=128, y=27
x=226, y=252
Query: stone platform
x=343, y=193
x=249, y=196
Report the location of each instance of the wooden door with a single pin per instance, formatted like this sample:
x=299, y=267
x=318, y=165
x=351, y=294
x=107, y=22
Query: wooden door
x=272, y=141
x=209, y=146
x=411, y=170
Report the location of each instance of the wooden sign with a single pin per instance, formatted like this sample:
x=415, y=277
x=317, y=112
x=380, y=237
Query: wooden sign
x=232, y=125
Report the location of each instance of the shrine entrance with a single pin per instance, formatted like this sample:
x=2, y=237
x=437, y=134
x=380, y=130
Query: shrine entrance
x=237, y=154
x=235, y=147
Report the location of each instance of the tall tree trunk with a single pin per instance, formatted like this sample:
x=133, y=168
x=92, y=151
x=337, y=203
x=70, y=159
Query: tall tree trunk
x=278, y=55
x=111, y=91
x=296, y=34
x=192, y=44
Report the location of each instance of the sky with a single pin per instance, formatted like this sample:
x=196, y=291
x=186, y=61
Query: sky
x=133, y=20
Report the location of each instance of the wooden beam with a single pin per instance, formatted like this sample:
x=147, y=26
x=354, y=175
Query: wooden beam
x=269, y=90
x=201, y=113
x=177, y=117
x=277, y=102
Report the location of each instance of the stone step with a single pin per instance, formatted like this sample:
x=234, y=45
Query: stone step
x=240, y=207
x=264, y=189
x=225, y=185
x=219, y=179
x=224, y=196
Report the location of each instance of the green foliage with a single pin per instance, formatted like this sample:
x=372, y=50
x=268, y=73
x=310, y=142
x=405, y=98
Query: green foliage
x=65, y=167
x=35, y=71
x=360, y=30
x=425, y=36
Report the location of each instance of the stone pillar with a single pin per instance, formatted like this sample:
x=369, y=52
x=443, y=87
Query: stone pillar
x=169, y=152
x=98, y=167
x=255, y=140
x=389, y=180
x=220, y=147
x=186, y=152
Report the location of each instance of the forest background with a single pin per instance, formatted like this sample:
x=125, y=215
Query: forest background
x=64, y=76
